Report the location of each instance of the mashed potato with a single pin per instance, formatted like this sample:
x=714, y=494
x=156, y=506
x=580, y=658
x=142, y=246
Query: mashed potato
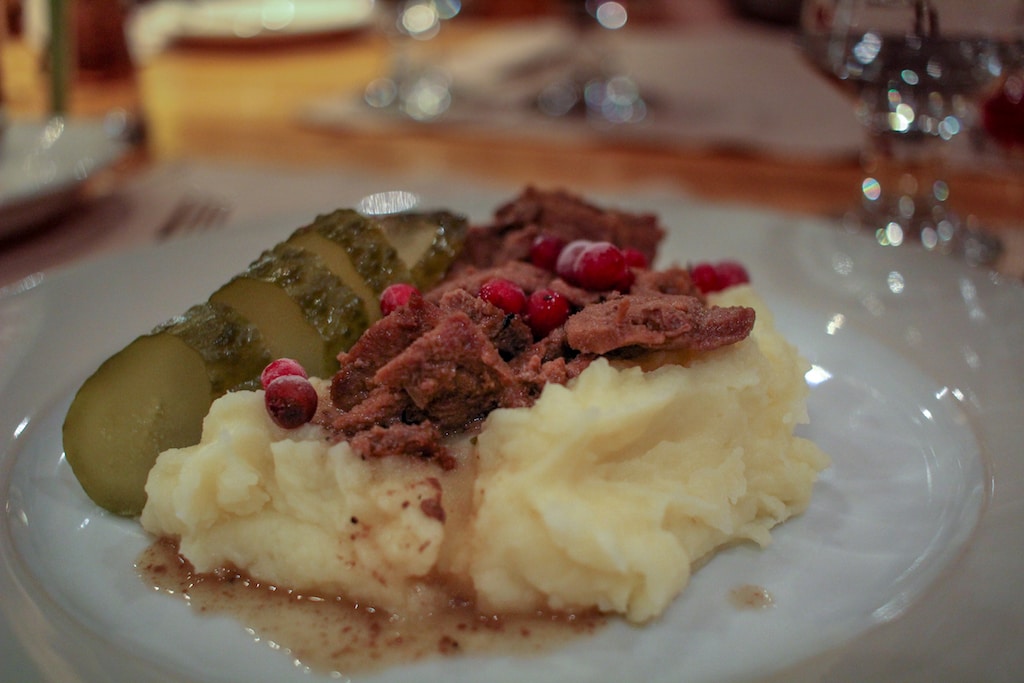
x=603, y=494
x=606, y=492
x=295, y=511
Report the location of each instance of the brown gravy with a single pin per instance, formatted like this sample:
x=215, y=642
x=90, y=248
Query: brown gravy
x=335, y=635
x=749, y=596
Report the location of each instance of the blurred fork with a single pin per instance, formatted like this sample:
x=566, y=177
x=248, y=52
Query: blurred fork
x=192, y=214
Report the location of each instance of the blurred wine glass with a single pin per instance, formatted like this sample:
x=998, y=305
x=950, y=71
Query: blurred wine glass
x=413, y=86
x=3, y=39
x=916, y=70
x=594, y=85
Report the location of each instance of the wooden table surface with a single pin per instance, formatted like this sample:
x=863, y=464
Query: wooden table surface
x=240, y=106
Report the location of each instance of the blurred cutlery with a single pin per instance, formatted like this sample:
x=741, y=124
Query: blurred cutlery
x=192, y=214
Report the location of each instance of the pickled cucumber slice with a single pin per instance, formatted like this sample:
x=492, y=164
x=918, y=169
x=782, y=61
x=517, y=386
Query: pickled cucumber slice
x=354, y=248
x=153, y=395
x=302, y=309
x=426, y=242
x=232, y=348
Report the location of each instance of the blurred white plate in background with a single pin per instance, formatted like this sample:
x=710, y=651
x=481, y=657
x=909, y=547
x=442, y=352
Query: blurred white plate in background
x=248, y=21
x=44, y=164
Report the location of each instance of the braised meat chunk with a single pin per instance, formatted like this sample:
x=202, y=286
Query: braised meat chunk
x=442, y=362
x=509, y=334
x=421, y=440
x=560, y=214
x=453, y=374
x=379, y=344
x=657, y=322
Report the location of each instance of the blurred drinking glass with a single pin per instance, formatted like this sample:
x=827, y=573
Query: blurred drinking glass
x=413, y=87
x=917, y=70
x=595, y=86
x=3, y=40
x=105, y=80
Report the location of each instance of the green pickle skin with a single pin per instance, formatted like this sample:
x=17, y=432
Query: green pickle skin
x=137, y=403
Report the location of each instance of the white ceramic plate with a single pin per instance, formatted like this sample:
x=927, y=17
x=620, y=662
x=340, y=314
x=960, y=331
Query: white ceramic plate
x=260, y=21
x=906, y=567
x=44, y=164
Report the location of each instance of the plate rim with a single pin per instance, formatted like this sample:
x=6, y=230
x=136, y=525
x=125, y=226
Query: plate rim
x=9, y=294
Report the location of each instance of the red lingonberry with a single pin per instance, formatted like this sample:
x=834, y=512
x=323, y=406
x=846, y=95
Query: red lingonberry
x=565, y=267
x=395, y=296
x=505, y=294
x=291, y=401
x=280, y=368
x=714, y=277
x=731, y=273
x=544, y=251
x=626, y=283
x=1002, y=113
x=705, y=277
x=546, y=310
x=635, y=258
x=600, y=266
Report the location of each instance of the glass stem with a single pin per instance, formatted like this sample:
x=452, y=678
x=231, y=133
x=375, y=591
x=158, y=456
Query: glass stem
x=60, y=51
x=904, y=196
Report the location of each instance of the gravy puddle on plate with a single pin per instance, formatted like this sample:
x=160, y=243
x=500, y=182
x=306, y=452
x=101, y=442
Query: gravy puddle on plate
x=335, y=635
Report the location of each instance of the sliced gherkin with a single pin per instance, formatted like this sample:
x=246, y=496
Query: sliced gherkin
x=153, y=395
x=232, y=348
x=354, y=248
x=300, y=307
x=427, y=242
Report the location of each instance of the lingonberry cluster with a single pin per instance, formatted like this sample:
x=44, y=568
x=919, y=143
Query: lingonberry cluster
x=1002, y=113
x=279, y=368
x=714, y=277
x=543, y=310
x=290, y=398
x=597, y=266
x=590, y=264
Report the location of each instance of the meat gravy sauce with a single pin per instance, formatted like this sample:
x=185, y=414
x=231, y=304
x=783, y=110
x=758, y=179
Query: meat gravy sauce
x=335, y=636
x=750, y=596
